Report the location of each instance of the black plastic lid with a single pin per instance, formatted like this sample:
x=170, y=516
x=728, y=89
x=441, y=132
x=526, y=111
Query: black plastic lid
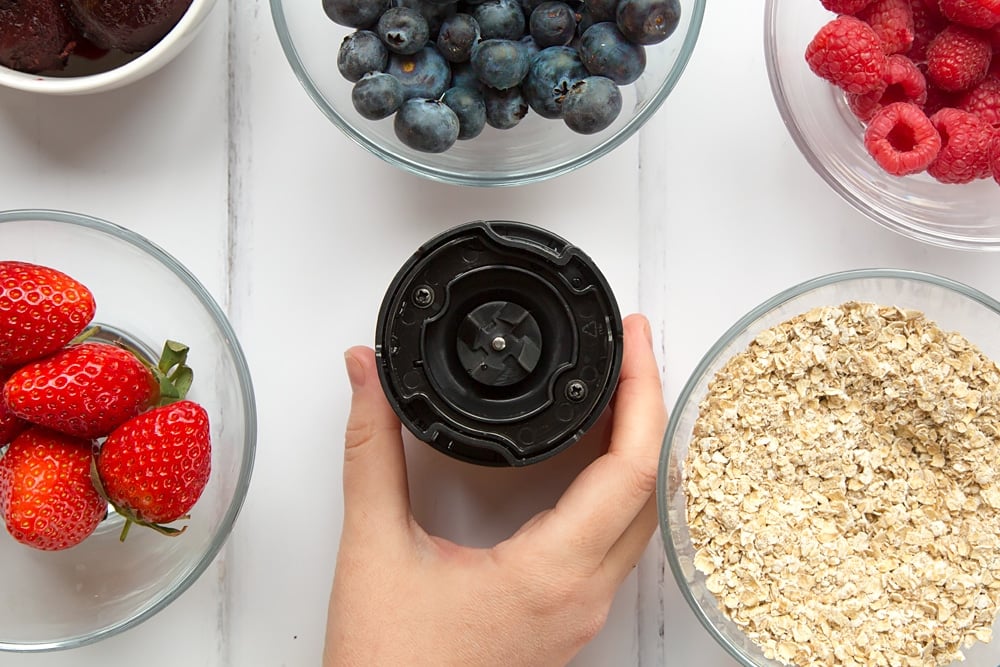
x=499, y=343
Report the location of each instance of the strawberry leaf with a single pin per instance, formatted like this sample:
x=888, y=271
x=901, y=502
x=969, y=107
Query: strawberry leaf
x=173, y=373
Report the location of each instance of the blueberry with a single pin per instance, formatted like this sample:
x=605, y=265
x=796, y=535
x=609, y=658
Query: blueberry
x=434, y=13
x=528, y=6
x=504, y=108
x=605, y=51
x=648, y=21
x=361, y=52
x=499, y=63
x=377, y=95
x=463, y=76
x=500, y=19
x=426, y=125
x=552, y=72
x=457, y=35
x=584, y=19
x=354, y=13
x=470, y=109
x=601, y=10
x=404, y=30
x=530, y=46
x=592, y=105
x=552, y=23
x=424, y=74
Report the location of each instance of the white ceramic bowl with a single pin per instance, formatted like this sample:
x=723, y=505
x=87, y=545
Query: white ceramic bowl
x=830, y=137
x=115, y=69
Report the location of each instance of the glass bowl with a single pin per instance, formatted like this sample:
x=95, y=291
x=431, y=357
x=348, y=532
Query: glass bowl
x=953, y=306
x=830, y=137
x=114, y=69
x=65, y=599
x=535, y=150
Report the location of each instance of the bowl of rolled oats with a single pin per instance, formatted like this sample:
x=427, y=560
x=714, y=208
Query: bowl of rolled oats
x=830, y=480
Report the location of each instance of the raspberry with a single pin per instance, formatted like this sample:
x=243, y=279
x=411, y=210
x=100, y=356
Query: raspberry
x=927, y=23
x=958, y=58
x=902, y=139
x=995, y=157
x=972, y=13
x=965, y=147
x=845, y=6
x=904, y=82
x=984, y=101
x=847, y=53
x=892, y=21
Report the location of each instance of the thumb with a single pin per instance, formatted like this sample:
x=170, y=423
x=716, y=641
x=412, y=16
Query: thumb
x=375, y=486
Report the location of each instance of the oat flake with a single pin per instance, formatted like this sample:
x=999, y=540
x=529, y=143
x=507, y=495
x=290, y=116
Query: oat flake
x=843, y=490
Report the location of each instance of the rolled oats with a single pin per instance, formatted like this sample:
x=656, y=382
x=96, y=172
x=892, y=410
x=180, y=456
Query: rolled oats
x=843, y=490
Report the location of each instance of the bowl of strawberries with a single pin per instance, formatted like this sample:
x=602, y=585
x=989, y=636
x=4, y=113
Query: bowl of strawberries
x=127, y=429
x=896, y=105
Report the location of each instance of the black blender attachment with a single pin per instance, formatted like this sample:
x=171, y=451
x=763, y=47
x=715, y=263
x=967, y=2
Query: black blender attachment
x=499, y=343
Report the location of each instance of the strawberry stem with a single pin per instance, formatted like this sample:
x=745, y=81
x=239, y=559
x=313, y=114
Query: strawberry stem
x=130, y=516
x=85, y=334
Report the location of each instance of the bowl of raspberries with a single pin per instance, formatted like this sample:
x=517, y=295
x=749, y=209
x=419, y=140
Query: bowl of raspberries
x=896, y=104
x=66, y=47
x=127, y=429
x=488, y=92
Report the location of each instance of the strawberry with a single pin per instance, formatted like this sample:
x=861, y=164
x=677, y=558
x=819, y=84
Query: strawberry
x=154, y=467
x=46, y=496
x=10, y=425
x=41, y=310
x=89, y=388
x=83, y=390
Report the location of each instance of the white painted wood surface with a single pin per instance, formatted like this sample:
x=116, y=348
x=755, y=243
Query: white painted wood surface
x=222, y=160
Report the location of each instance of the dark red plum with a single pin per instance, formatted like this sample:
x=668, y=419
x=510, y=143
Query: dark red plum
x=34, y=35
x=128, y=25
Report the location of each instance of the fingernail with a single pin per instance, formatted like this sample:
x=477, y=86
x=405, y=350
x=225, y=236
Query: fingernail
x=355, y=371
x=648, y=332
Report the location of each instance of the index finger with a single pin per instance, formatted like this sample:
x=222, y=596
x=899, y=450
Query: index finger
x=606, y=497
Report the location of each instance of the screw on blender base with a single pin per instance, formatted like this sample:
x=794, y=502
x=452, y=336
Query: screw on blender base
x=423, y=296
x=576, y=390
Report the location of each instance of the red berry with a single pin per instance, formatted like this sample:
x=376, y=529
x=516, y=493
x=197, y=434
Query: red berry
x=902, y=139
x=958, y=58
x=965, y=146
x=892, y=21
x=927, y=23
x=972, y=13
x=845, y=6
x=41, y=309
x=46, y=496
x=10, y=424
x=154, y=467
x=983, y=100
x=84, y=390
x=995, y=157
x=847, y=53
x=903, y=82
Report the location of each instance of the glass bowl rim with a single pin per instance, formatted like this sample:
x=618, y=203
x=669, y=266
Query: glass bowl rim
x=742, y=324
x=250, y=419
x=456, y=177
x=788, y=119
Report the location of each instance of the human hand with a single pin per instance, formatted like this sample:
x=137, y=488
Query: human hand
x=404, y=597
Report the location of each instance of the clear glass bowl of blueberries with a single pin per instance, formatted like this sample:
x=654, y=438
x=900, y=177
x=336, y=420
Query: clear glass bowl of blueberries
x=488, y=92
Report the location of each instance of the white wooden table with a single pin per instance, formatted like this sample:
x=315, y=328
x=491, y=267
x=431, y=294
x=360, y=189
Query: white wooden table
x=221, y=159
